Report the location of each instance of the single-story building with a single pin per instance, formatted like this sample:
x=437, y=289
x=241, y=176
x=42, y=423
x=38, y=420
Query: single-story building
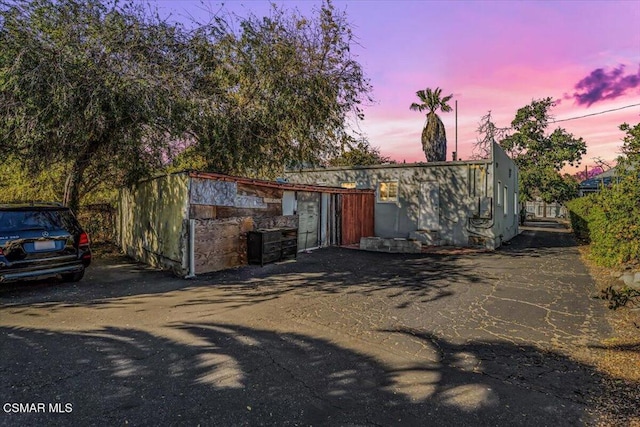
x=460, y=203
x=193, y=223
x=595, y=183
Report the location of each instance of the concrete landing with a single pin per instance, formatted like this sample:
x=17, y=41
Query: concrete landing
x=392, y=245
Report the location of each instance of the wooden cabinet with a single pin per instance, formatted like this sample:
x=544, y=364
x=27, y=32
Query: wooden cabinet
x=289, y=243
x=272, y=244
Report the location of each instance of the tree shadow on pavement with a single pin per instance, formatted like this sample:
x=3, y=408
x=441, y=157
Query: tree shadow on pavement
x=419, y=277
x=221, y=374
x=337, y=270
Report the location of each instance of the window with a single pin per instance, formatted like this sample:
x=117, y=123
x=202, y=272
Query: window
x=506, y=200
x=388, y=191
x=499, y=193
x=36, y=219
x=348, y=184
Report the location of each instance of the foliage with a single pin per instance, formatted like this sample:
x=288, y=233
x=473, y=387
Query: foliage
x=98, y=221
x=557, y=187
x=579, y=212
x=434, y=137
x=189, y=159
x=362, y=154
x=103, y=94
x=631, y=144
x=277, y=92
x=610, y=219
x=86, y=85
x=18, y=184
x=540, y=155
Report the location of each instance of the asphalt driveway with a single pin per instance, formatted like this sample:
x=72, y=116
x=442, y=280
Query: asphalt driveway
x=339, y=337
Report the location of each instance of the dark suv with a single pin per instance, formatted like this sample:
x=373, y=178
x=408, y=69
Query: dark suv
x=40, y=240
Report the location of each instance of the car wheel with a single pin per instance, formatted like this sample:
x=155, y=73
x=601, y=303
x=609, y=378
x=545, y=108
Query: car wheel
x=73, y=277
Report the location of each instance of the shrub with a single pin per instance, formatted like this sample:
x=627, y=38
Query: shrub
x=610, y=220
x=98, y=221
x=579, y=214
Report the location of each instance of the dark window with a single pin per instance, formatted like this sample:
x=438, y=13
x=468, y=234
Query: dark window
x=21, y=220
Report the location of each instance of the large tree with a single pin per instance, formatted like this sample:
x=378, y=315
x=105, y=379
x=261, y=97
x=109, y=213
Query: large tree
x=541, y=155
x=434, y=136
x=277, y=91
x=89, y=86
x=113, y=92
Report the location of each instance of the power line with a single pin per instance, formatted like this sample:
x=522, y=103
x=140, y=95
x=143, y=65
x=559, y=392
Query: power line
x=595, y=114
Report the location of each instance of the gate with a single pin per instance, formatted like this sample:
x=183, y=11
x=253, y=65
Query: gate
x=357, y=217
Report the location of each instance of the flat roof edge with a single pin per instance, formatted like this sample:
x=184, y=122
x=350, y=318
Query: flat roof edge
x=395, y=166
x=281, y=185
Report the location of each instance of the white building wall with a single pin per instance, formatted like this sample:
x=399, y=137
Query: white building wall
x=505, y=193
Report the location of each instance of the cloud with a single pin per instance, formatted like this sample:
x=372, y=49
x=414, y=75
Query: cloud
x=602, y=84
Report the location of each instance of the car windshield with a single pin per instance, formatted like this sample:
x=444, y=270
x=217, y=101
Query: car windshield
x=20, y=220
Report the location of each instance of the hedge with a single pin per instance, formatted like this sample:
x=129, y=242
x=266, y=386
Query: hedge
x=610, y=221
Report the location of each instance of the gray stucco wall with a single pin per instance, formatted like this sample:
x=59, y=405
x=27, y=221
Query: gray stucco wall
x=434, y=197
x=455, y=201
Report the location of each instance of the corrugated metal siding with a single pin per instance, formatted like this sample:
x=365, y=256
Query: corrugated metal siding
x=357, y=217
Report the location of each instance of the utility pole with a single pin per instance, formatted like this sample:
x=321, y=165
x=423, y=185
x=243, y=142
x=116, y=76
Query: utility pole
x=455, y=153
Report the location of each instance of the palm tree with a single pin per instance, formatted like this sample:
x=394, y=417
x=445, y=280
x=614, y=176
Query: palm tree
x=434, y=137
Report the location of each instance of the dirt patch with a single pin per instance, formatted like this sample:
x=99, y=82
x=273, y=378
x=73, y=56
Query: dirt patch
x=623, y=348
x=619, y=355
x=108, y=252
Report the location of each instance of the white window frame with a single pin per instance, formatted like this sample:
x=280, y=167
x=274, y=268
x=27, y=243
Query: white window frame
x=381, y=198
x=499, y=201
x=506, y=200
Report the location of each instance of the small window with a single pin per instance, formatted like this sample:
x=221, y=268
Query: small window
x=506, y=200
x=388, y=191
x=348, y=184
x=499, y=193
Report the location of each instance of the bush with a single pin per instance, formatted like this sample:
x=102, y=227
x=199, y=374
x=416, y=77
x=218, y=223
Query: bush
x=579, y=214
x=610, y=220
x=98, y=221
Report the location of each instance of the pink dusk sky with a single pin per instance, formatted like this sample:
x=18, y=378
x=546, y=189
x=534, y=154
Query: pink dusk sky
x=491, y=55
